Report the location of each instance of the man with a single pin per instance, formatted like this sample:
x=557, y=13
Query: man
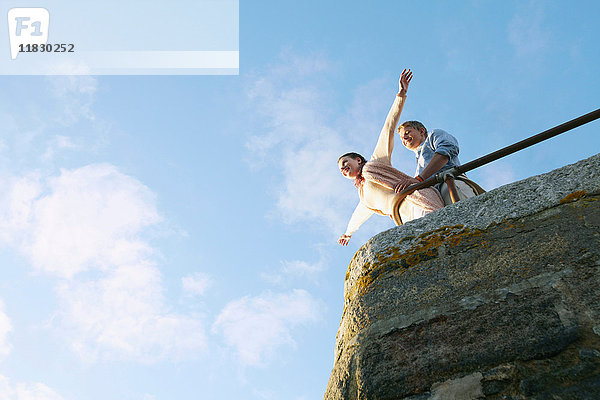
x=435, y=151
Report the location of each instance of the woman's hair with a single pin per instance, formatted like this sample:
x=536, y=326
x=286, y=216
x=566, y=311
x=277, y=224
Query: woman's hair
x=353, y=155
x=415, y=124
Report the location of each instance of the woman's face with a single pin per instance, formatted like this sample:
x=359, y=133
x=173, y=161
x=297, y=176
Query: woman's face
x=350, y=167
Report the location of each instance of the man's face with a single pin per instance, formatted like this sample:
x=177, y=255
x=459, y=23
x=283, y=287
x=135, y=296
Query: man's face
x=411, y=137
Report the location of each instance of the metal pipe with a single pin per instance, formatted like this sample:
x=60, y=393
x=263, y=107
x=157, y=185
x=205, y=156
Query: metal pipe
x=513, y=148
x=557, y=130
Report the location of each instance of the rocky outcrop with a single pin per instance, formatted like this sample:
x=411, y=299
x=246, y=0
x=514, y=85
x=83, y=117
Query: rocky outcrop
x=495, y=297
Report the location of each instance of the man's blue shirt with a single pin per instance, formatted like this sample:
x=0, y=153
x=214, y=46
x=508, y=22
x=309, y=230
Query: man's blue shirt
x=441, y=142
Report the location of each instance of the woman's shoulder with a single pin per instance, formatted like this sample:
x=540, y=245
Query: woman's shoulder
x=375, y=161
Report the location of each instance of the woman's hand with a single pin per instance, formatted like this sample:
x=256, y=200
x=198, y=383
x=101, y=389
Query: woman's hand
x=405, y=78
x=344, y=239
x=403, y=185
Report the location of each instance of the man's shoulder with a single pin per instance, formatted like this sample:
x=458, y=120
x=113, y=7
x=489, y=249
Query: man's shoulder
x=440, y=134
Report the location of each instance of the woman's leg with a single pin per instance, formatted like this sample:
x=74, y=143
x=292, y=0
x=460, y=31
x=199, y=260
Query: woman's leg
x=409, y=211
x=464, y=191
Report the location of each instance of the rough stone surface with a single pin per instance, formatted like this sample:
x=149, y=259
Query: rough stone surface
x=495, y=297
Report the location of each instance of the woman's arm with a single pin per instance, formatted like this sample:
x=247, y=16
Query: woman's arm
x=385, y=143
x=361, y=214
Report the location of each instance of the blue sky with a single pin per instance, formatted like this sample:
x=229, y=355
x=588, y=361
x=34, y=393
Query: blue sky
x=175, y=237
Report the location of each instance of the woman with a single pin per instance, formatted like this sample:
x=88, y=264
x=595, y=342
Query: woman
x=379, y=183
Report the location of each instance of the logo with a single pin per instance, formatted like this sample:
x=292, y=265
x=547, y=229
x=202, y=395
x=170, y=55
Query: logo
x=27, y=27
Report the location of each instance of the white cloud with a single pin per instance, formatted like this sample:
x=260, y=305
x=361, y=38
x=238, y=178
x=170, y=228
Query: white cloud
x=267, y=394
x=76, y=94
x=85, y=228
x=58, y=143
x=302, y=144
x=294, y=112
x=5, y=328
x=301, y=268
x=9, y=124
x=527, y=34
x=91, y=218
x=313, y=189
x=256, y=327
x=196, y=284
x=16, y=203
x=123, y=316
x=495, y=175
x=293, y=270
x=26, y=391
x=47, y=130
x=363, y=121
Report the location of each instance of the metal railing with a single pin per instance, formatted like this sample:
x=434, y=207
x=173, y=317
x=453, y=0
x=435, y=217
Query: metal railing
x=449, y=175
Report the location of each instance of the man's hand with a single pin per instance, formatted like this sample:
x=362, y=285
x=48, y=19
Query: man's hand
x=344, y=239
x=405, y=78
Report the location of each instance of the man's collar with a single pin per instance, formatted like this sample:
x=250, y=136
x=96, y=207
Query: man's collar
x=420, y=147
